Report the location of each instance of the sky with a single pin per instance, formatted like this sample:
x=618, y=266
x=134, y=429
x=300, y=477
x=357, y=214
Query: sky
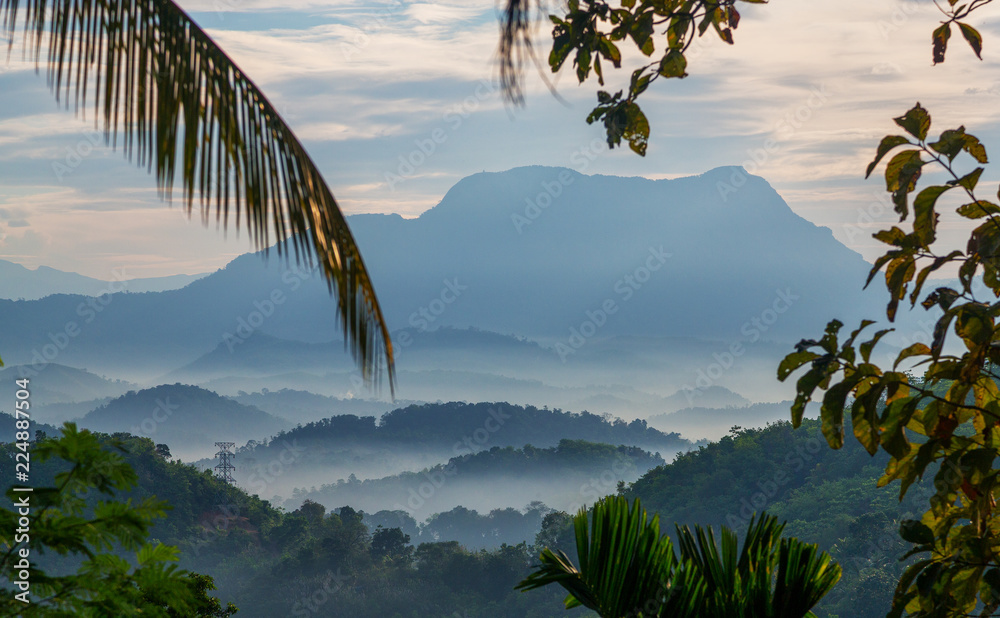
x=364, y=83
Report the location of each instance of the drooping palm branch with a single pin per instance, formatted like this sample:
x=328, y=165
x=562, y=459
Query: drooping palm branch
x=178, y=103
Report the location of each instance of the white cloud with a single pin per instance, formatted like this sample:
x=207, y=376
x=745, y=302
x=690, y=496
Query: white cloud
x=362, y=82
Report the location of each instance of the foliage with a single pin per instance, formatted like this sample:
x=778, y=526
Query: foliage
x=59, y=519
x=592, y=31
x=949, y=417
x=627, y=568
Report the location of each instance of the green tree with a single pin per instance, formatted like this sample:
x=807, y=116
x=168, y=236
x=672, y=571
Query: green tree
x=628, y=568
x=182, y=107
x=58, y=520
x=947, y=422
x=391, y=544
x=944, y=423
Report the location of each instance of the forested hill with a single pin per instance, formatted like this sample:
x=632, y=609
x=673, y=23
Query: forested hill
x=188, y=419
x=483, y=425
x=566, y=477
x=827, y=496
x=422, y=436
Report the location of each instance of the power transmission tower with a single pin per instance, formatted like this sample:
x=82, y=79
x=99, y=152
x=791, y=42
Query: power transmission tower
x=225, y=468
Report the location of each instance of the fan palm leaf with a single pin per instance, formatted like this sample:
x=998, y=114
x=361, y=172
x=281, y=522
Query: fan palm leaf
x=627, y=568
x=178, y=105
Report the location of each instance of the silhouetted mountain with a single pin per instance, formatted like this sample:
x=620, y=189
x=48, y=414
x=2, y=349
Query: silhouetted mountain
x=186, y=418
x=54, y=383
x=712, y=423
x=304, y=407
x=19, y=282
x=608, y=256
x=422, y=436
x=565, y=477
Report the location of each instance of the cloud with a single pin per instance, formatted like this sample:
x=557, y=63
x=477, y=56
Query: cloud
x=365, y=83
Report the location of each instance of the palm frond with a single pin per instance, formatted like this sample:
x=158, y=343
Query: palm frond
x=625, y=562
x=174, y=99
x=515, y=48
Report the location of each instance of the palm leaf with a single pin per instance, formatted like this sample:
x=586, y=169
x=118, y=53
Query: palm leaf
x=174, y=99
x=625, y=563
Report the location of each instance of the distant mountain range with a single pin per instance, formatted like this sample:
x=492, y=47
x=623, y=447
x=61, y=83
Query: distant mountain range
x=610, y=293
x=19, y=282
x=713, y=422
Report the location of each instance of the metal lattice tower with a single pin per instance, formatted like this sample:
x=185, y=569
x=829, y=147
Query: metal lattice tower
x=225, y=468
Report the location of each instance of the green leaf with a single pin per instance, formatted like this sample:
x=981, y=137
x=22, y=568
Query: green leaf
x=181, y=107
x=916, y=532
x=973, y=37
x=888, y=143
x=793, y=361
x=939, y=39
x=916, y=122
x=978, y=210
x=673, y=64
x=924, y=217
x=916, y=349
x=968, y=181
x=866, y=347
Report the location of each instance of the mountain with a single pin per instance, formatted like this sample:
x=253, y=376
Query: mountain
x=421, y=436
x=299, y=406
x=53, y=383
x=188, y=419
x=712, y=423
x=564, y=477
x=616, y=285
x=24, y=283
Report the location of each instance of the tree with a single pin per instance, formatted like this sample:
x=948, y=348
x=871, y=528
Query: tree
x=628, y=568
x=947, y=422
x=391, y=544
x=59, y=520
x=182, y=107
x=952, y=413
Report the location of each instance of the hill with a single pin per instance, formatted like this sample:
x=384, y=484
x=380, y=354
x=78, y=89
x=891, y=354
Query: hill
x=52, y=383
x=300, y=406
x=422, y=436
x=714, y=422
x=19, y=282
x=186, y=418
x=827, y=496
x=566, y=477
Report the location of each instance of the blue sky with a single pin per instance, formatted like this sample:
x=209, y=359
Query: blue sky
x=365, y=83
